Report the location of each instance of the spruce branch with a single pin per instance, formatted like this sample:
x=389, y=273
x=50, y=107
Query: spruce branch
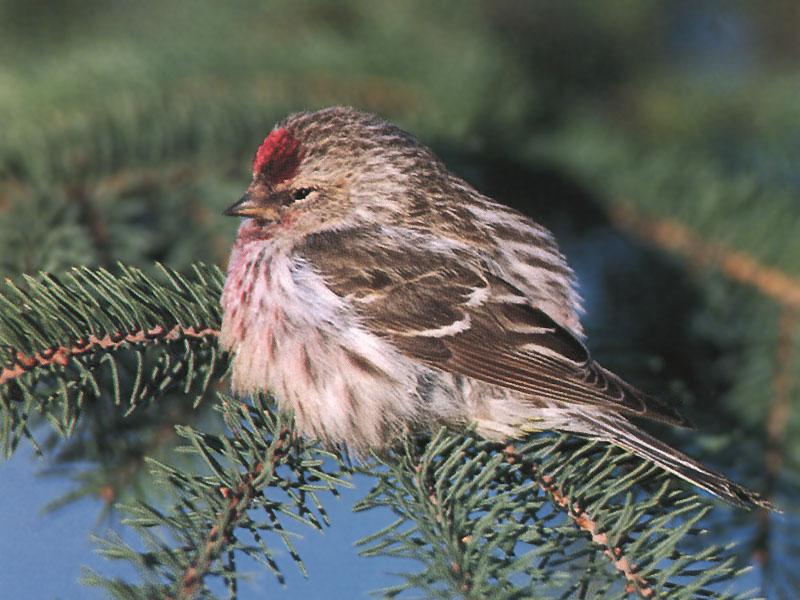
x=131, y=336
x=222, y=532
x=517, y=522
x=769, y=282
x=61, y=355
x=483, y=520
x=737, y=265
x=256, y=466
x=585, y=522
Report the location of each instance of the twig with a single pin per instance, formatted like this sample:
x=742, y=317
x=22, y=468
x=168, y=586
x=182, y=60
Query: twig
x=779, y=409
x=456, y=566
x=61, y=355
x=585, y=522
x=735, y=265
x=239, y=501
x=768, y=281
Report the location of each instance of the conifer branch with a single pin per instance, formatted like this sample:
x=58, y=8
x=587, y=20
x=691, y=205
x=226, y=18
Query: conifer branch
x=586, y=523
x=734, y=264
x=222, y=533
x=130, y=336
x=212, y=517
x=472, y=506
x=769, y=282
x=459, y=569
x=473, y=518
x=61, y=355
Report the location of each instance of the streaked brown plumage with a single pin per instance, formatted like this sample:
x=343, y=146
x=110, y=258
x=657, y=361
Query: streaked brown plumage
x=373, y=291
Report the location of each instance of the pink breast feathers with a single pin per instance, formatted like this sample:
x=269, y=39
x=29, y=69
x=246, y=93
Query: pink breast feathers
x=279, y=157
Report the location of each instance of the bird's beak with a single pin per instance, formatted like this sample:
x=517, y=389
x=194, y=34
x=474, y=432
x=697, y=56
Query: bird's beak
x=250, y=205
x=245, y=207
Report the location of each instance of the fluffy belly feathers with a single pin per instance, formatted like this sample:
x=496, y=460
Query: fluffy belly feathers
x=290, y=335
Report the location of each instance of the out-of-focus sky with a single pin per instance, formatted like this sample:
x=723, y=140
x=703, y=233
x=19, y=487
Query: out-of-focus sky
x=41, y=554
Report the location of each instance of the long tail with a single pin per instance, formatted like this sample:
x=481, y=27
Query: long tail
x=626, y=435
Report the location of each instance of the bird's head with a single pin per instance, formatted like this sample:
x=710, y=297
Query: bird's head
x=331, y=169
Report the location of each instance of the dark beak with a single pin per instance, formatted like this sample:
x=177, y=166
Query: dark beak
x=245, y=207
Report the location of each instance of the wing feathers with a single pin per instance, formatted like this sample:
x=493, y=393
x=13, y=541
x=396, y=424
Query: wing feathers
x=646, y=446
x=452, y=309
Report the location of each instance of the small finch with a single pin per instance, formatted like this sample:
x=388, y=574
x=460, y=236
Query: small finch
x=372, y=291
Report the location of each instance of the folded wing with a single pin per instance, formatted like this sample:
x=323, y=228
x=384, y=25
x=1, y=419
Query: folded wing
x=453, y=310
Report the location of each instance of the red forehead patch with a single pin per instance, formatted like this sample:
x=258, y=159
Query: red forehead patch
x=278, y=157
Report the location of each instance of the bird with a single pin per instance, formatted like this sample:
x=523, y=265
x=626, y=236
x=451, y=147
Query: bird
x=374, y=292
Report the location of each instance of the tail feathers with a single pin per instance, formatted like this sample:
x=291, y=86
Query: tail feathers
x=633, y=439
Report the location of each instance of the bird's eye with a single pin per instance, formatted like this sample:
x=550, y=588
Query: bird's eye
x=301, y=193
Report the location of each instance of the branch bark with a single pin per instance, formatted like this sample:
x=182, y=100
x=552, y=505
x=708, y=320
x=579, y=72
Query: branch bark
x=737, y=266
x=238, y=502
x=585, y=522
x=61, y=355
